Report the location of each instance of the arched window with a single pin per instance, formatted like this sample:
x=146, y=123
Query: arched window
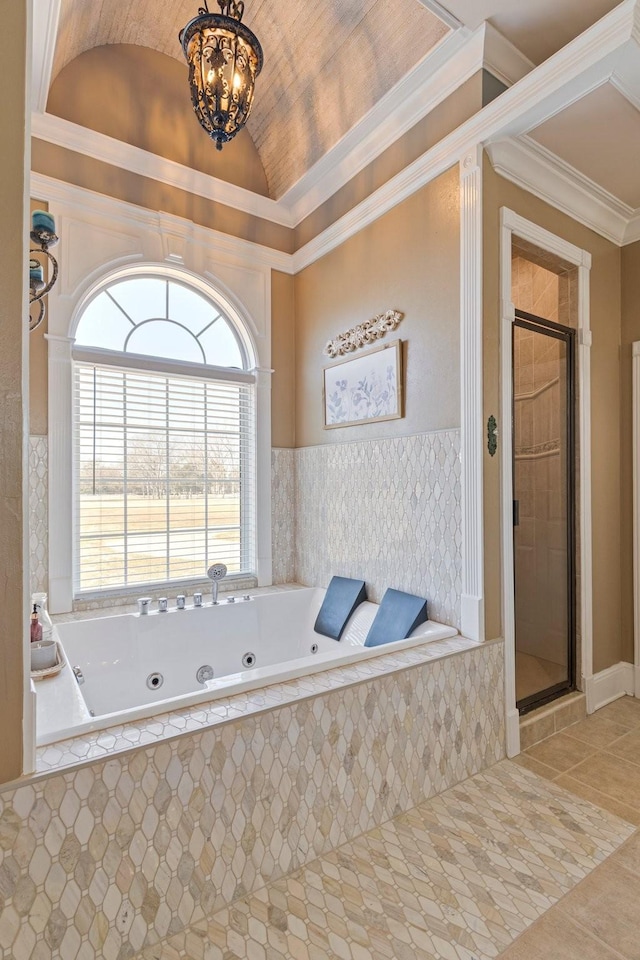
x=164, y=443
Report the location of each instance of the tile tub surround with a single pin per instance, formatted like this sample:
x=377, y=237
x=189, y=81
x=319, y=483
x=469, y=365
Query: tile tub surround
x=283, y=527
x=38, y=514
x=105, y=860
x=387, y=511
x=456, y=878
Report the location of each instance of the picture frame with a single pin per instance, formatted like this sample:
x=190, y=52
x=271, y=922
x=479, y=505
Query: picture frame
x=366, y=388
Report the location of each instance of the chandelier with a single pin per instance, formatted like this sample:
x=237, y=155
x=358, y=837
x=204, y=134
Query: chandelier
x=224, y=59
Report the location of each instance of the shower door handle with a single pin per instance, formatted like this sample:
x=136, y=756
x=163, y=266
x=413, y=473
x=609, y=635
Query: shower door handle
x=516, y=513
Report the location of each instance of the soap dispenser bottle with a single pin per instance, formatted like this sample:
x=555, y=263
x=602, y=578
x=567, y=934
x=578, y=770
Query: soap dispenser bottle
x=39, y=601
x=36, y=626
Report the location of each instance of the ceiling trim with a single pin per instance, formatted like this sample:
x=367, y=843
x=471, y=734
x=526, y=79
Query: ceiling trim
x=586, y=61
x=45, y=17
x=502, y=58
x=456, y=58
x=537, y=170
x=90, y=202
x=632, y=234
x=626, y=90
x=579, y=67
x=442, y=13
x=98, y=146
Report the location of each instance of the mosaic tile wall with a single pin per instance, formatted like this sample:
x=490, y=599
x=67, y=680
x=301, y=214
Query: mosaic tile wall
x=283, y=529
x=38, y=514
x=105, y=860
x=387, y=511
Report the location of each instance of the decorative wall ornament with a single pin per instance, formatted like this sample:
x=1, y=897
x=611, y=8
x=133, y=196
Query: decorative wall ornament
x=363, y=334
x=366, y=388
x=492, y=436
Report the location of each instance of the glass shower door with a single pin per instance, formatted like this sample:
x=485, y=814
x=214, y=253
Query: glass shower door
x=543, y=509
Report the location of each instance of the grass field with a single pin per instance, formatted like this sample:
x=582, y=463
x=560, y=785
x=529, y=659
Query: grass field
x=113, y=552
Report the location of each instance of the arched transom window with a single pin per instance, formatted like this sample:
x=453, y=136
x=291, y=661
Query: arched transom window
x=164, y=438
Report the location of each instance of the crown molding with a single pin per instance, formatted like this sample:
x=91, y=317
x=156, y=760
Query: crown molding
x=72, y=197
x=45, y=16
x=557, y=82
x=437, y=76
x=632, y=233
x=442, y=13
x=455, y=59
x=537, y=170
x=502, y=59
x=629, y=92
x=570, y=74
x=98, y=146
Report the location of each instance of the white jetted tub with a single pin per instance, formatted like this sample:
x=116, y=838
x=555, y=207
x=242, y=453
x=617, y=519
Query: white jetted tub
x=126, y=667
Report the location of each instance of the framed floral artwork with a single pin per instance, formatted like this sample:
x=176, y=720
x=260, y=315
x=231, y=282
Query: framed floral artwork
x=364, y=389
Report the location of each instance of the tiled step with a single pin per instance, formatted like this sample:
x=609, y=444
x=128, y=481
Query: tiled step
x=457, y=878
x=550, y=719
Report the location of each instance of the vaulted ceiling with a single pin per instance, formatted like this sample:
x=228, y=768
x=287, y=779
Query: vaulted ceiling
x=329, y=64
x=326, y=64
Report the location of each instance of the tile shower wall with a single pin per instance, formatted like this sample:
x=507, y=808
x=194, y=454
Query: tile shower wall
x=38, y=514
x=387, y=511
x=101, y=861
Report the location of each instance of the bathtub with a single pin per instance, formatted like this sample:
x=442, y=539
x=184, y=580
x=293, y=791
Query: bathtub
x=123, y=668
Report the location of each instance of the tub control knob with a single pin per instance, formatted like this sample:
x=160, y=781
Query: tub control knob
x=181, y=601
x=197, y=599
x=231, y=599
x=247, y=597
x=143, y=605
x=163, y=604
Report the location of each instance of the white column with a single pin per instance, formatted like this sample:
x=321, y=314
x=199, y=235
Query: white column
x=472, y=419
x=584, y=414
x=263, y=478
x=60, y=474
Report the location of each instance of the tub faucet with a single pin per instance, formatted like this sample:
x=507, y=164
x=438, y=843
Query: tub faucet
x=216, y=573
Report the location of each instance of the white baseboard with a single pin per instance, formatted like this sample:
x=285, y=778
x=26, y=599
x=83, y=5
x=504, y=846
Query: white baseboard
x=611, y=684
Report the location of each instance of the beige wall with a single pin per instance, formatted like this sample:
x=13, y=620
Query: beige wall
x=407, y=260
x=14, y=212
x=283, y=360
x=608, y=643
x=141, y=96
x=630, y=333
x=70, y=167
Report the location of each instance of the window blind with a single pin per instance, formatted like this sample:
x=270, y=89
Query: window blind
x=164, y=474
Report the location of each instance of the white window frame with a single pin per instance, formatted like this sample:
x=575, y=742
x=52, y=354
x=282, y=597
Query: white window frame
x=61, y=493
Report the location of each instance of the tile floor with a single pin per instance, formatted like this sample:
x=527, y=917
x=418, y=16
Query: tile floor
x=459, y=877
x=597, y=759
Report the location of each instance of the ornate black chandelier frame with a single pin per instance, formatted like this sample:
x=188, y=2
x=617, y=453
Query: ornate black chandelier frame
x=224, y=59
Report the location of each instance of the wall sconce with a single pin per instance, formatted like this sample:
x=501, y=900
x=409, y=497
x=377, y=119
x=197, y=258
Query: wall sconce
x=43, y=233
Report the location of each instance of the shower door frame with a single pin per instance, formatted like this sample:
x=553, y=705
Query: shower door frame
x=513, y=224
x=529, y=321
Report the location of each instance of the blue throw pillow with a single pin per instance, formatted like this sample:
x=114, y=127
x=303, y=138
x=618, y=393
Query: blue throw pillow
x=342, y=597
x=399, y=614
